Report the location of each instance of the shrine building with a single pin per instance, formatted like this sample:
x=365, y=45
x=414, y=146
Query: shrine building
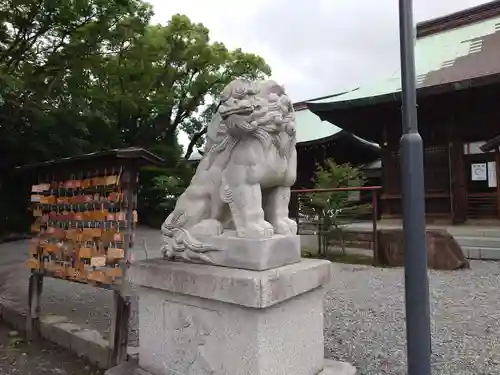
x=458, y=93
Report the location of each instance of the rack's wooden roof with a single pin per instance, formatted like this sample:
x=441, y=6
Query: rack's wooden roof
x=139, y=155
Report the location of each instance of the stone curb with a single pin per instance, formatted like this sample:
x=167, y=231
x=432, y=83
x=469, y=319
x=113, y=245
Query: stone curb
x=15, y=237
x=86, y=343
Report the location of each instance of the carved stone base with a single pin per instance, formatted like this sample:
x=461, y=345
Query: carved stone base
x=199, y=319
x=253, y=254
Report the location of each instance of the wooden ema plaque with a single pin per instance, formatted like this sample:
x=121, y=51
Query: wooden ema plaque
x=81, y=225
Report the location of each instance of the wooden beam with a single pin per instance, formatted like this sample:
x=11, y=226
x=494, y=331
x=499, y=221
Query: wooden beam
x=492, y=144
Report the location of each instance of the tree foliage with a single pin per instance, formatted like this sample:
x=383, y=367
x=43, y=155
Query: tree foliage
x=335, y=209
x=98, y=73
x=85, y=75
x=48, y=54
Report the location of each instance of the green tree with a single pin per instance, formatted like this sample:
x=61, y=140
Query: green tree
x=335, y=209
x=82, y=75
x=167, y=80
x=46, y=50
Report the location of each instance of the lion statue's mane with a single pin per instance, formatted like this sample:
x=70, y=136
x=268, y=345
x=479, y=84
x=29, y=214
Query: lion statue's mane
x=243, y=181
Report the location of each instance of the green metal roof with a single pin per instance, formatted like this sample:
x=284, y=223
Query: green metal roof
x=310, y=127
x=435, y=57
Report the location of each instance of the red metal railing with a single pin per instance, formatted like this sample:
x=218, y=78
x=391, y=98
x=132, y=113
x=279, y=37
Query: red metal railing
x=373, y=199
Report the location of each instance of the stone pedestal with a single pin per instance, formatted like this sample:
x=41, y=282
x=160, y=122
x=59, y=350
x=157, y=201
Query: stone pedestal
x=199, y=319
x=253, y=254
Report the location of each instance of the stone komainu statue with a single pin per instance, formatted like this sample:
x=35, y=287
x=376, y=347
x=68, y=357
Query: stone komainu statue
x=242, y=185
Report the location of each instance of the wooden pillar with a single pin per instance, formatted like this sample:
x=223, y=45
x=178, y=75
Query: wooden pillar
x=458, y=193
x=390, y=183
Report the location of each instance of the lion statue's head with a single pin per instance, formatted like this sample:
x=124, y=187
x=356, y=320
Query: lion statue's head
x=261, y=109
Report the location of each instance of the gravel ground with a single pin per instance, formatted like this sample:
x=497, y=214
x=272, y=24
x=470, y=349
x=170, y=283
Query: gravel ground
x=364, y=312
x=17, y=357
x=365, y=319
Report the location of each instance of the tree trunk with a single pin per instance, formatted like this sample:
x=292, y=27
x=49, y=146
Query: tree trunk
x=196, y=137
x=341, y=238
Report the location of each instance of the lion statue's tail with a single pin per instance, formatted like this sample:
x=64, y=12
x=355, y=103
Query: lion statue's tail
x=179, y=243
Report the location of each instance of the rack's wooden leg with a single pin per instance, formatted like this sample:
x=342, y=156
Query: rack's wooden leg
x=119, y=329
x=34, y=295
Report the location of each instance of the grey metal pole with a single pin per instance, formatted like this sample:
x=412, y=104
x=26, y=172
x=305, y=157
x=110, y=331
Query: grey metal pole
x=412, y=179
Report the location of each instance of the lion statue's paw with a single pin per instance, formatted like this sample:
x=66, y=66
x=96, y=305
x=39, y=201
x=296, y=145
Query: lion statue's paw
x=208, y=227
x=260, y=229
x=292, y=225
x=285, y=226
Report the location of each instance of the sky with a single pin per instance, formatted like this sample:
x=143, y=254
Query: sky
x=314, y=47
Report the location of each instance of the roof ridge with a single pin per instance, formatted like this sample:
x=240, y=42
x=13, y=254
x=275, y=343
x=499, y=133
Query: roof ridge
x=460, y=18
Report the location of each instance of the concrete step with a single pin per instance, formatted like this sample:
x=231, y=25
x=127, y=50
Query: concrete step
x=490, y=242
x=483, y=253
x=474, y=232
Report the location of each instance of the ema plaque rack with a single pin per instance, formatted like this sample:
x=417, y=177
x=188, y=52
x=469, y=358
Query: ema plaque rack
x=85, y=214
